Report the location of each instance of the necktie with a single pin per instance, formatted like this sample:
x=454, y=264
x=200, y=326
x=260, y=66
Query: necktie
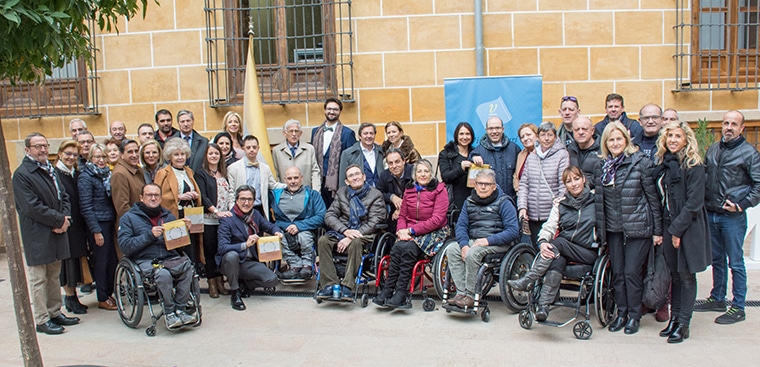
x=293, y=152
x=329, y=128
x=187, y=138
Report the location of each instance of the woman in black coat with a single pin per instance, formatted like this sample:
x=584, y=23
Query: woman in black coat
x=680, y=180
x=98, y=211
x=453, y=163
x=629, y=220
x=71, y=268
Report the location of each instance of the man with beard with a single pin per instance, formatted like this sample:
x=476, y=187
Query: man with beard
x=330, y=140
x=127, y=179
x=393, y=182
x=164, y=128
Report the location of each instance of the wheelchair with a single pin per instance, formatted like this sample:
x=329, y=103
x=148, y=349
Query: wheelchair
x=592, y=284
x=276, y=265
x=134, y=290
x=495, y=269
x=367, y=272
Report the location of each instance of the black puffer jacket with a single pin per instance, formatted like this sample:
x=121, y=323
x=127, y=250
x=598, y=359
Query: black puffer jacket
x=639, y=204
x=573, y=219
x=585, y=159
x=733, y=168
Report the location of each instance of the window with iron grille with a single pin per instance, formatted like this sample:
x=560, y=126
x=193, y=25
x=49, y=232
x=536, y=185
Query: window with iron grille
x=717, y=45
x=70, y=90
x=302, y=48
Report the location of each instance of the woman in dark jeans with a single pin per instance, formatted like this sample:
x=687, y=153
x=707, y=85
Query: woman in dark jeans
x=98, y=211
x=453, y=163
x=218, y=198
x=71, y=268
x=680, y=179
x=629, y=219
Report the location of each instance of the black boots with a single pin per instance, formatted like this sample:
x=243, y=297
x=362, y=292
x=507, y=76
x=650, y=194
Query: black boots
x=381, y=298
x=668, y=330
x=680, y=333
x=236, y=301
x=538, y=270
x=552, y=279
x=618, y=323
x=73, y=305
x=399, y=300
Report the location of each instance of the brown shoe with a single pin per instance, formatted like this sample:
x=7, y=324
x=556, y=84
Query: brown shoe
x=213, y=290
x=108, y=304
x=220, y=287
x=662, y=314
x=466, y=302
x=457, y=298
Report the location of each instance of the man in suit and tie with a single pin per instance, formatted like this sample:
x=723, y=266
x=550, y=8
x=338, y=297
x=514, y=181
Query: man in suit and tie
x=293, y=152
x=330, y=140
x=198, y=142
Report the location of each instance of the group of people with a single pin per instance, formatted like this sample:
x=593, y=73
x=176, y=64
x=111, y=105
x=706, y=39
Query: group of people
x=626, y=184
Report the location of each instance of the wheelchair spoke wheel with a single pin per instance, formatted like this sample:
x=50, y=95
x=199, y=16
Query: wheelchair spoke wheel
x=441, y=271
x=604, y=297
x=517, y=262
x=582, y=330
x=130, y=297
x=428, y=305
x=525, y=318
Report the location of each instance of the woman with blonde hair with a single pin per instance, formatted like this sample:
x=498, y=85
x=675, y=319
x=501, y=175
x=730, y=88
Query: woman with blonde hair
x=629, y=219
x=151, y=159
x=395, y=138
x=233, y=125
x=680, y=180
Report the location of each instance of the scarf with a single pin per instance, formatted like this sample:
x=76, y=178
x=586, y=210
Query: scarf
x=104, y=174
x=47, y=167
x=247, y=219
x=150, y=212
x=610, y=167
x=540, y=151
x=670, y=167
x=61, y=166
x=333, y=161
x=486, y=200
x=577, y=202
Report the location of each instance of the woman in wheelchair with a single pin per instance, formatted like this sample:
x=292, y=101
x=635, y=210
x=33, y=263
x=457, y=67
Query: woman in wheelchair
x=422, y=230
x=568, y=235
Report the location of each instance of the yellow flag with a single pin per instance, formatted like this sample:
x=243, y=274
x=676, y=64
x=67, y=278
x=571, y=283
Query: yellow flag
x=253, y=110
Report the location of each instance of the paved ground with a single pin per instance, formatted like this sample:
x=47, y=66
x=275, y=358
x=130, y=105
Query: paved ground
x=292, y=331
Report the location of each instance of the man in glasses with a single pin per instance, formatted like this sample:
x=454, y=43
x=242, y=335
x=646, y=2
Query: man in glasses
x=44, y=212
x=650, y=118
x=486, y=225
x=85, y=140
x=615, y=108
x=330, y=140
x=496, y=150
x=293, y=152
x=569, y=109
x=164, y=128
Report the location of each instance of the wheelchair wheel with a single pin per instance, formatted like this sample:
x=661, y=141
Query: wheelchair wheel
x=130, y=296
x=604, y=297
x=485, y=315
x=365, y=300
x=440, y=270
x=582, y=330
x=428, y=305
x=382, y=247
x=517, y=262
x=150, y=331
x=525, y=318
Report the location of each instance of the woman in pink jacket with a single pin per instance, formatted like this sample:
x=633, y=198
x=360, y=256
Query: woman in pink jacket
x=422, y=228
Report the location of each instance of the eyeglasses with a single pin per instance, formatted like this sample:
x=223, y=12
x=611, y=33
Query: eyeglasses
x=485, y=184
x=40, y=146
x=246, y=200
x=569, y=98
x=647, y=118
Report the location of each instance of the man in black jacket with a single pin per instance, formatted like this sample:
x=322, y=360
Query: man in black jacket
x=197, y=142
x=44, y=214
x=615, y=108
x=584, y=149
x=392, y=183
x=732, y=186
x=141, y=238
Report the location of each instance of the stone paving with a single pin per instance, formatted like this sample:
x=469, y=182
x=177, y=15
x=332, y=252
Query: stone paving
x=295, y=331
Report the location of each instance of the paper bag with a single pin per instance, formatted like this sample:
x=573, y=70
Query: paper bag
x=195, y=214
x=176, y=234
x=474, y=172
x=269, y=248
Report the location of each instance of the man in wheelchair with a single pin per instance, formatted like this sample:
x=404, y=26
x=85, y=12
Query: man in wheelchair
x=351, y=222
x=141, y=238
x=486, y=225
x=299, y=211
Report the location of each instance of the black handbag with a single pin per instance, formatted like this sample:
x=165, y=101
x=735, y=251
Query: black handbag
x=657, y=280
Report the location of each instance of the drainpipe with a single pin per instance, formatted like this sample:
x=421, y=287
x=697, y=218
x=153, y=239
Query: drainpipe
x=479, y=38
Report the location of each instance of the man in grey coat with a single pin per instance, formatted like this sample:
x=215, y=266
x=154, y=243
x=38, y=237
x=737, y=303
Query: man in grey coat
x=44, y=214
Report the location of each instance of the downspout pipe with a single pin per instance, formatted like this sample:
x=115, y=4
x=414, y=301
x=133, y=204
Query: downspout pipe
x=479, y=38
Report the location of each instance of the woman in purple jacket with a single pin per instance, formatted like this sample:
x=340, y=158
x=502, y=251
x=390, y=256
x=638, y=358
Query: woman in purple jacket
x=421, y=231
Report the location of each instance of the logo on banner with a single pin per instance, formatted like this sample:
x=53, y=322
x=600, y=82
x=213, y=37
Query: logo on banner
x=497, y=108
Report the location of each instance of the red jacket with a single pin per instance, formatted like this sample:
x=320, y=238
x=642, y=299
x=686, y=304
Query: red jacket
x=424, y=211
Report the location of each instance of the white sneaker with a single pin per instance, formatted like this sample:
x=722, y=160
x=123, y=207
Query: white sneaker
x=186, y=318
x=172, y=321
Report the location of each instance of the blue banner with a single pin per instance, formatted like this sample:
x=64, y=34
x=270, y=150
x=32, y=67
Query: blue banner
x=514, y=99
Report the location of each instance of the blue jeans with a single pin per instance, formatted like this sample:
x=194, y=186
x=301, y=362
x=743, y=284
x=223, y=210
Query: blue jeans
x=727, y=236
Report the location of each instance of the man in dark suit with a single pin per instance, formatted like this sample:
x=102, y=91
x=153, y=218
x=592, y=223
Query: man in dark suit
x=44, y=212
x=198, y=143
x=330, y=140
x=366, y=154
x=238, y=256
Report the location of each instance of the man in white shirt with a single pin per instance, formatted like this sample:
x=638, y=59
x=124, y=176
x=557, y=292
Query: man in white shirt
x=366, y=154
x=250, y=171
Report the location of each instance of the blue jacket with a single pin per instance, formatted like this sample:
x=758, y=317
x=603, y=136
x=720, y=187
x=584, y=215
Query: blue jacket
x=95, y=204
x=312, y=217
x=135, y=237
x=233, y=233
x=503, y=160
x=633, y=126
x=503, y=238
